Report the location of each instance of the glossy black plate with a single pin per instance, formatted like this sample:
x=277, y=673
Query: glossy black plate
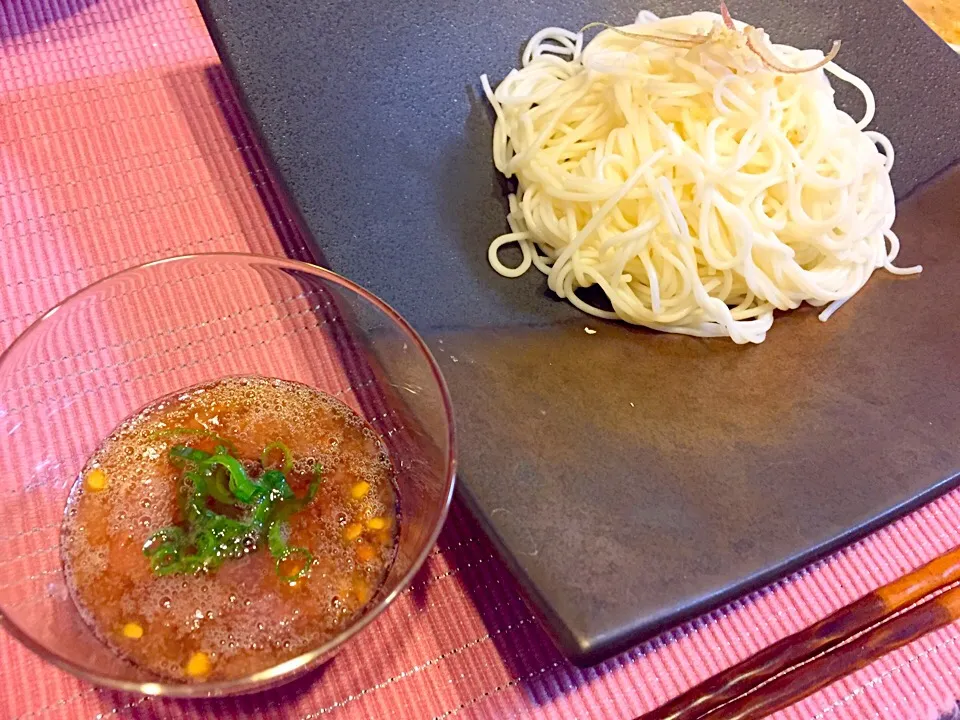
x=631, y=479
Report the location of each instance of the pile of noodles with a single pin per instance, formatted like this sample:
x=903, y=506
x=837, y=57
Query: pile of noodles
x=698, y=175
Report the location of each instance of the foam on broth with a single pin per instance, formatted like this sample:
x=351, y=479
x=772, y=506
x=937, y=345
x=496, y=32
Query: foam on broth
x=242, y=617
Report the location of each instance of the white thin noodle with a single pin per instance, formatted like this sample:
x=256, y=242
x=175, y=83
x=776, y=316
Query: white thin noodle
x=699, y=190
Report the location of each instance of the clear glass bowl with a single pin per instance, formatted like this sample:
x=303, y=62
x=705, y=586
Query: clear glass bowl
x=118, y=345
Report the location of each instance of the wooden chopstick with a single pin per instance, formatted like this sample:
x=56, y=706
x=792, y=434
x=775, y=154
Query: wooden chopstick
x=801, y=681
x=803, y=662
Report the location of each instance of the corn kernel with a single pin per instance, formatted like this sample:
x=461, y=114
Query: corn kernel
x=198, y=665
x=132, y=631
x=361, y=590
x=376, y=523
x=360, y=490
x=96, y=479
x=365, y=552
x=352, y=531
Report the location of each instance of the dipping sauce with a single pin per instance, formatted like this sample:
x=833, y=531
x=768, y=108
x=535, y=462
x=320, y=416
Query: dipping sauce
x=230, y=527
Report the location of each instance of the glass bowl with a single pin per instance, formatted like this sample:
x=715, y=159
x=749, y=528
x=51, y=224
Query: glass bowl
x=121, y=343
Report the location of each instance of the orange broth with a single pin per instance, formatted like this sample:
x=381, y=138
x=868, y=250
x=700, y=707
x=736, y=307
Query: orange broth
x=245, y=615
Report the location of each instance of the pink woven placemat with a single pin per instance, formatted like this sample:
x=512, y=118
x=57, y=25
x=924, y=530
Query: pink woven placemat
x=119, y=143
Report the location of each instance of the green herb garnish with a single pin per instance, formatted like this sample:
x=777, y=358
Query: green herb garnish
x=287, y=456
x=207, y=538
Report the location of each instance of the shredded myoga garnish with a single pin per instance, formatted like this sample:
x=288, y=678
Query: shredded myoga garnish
x=700, y=176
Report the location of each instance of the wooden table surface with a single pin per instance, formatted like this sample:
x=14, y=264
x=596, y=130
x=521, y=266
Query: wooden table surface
x=941, y=15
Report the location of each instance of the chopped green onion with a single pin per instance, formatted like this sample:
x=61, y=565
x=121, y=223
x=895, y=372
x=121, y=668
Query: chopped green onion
x=166, y=561
x=276, y=541
x=218, y=488
x=240, y=483
x=260, y=519
x=276, y=481
x=287, y=456
x=164, y=549
x=210, y=538
x=312, y=491
x=179, y=454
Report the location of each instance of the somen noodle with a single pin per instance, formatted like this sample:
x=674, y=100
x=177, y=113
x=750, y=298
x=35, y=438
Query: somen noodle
x=701, y=177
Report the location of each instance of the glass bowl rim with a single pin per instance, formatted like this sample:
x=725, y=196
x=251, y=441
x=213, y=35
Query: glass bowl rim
x=289, y=669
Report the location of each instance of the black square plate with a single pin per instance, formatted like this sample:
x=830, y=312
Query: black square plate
x=631, y=479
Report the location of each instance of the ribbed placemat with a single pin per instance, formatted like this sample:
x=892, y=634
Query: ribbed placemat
x=121, y=142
